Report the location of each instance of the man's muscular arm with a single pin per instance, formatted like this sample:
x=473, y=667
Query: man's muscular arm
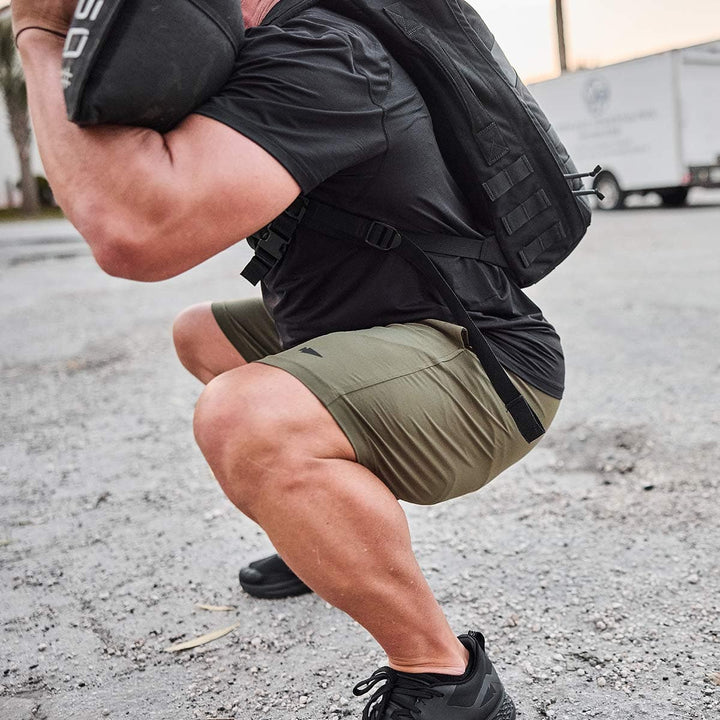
x=149, y=205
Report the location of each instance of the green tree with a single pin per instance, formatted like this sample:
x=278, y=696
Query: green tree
x=14, y=91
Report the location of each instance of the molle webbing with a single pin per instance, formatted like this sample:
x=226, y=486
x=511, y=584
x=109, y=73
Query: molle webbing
x=506, y=179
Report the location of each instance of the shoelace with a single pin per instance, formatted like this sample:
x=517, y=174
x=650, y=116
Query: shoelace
x=402, y=689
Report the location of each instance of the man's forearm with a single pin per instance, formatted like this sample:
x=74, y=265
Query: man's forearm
x=149, y=205
x=98, y=175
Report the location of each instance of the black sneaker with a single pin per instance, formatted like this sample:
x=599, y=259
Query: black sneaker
x=271, y=578
x=478, y=694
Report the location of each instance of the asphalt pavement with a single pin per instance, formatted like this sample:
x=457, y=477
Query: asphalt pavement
x=591, y=567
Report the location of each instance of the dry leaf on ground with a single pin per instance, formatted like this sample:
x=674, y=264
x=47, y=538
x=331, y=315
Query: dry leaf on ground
x=203, y=639
x=215, y=608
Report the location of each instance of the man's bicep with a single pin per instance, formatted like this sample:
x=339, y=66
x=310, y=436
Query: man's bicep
x=209, y=188
x=228, y=182
x=206, y=189
x=185, y=197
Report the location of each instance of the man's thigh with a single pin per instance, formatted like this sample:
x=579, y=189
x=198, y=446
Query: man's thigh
x=416, y=406
x=248, y=326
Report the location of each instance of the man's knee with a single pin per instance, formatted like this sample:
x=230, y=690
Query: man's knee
x=246, y=443
x=260, y=429
x=230, y=419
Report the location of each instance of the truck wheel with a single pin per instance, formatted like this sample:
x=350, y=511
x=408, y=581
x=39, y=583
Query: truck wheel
x=606, y=184
x=674, y=197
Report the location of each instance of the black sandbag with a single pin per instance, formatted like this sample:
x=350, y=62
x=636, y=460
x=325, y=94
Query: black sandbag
x=148, y=63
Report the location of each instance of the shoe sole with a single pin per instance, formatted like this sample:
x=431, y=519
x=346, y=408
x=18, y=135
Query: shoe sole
x=506, y=711
x=274, y=591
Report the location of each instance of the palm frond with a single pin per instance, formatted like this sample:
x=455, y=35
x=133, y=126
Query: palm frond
x=12, y=81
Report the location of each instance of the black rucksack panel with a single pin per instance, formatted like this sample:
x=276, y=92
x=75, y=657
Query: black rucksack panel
x=489, y=129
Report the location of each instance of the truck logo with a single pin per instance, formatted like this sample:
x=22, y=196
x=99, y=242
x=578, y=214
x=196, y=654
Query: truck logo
x=597, y=95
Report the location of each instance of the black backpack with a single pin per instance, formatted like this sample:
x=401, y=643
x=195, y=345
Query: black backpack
x=526, y=195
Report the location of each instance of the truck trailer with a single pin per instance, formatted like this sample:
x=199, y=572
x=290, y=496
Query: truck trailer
x=652, y=123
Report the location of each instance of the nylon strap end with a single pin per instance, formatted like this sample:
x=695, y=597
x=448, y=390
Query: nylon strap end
x=525, y=418
x=255, y=270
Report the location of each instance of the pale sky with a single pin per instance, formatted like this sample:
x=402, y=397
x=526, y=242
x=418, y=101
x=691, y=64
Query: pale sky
x=597, y=32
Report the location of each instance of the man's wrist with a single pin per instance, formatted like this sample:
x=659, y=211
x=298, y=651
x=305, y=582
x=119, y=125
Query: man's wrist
x=36, y=44
x=20, y=32
x=38, y=35
x=52, y=17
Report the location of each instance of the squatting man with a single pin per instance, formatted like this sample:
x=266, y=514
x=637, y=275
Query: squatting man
x=349, y=387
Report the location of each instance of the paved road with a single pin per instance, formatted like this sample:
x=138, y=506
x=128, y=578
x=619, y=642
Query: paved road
x=592, y=566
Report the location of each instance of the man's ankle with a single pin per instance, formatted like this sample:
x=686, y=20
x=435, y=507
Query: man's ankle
x=454, y=663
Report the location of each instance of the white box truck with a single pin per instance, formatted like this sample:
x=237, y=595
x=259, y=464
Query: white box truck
x=652, y=123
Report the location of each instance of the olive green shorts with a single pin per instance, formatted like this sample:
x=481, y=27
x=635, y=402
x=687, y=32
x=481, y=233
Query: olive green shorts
x=411, y=398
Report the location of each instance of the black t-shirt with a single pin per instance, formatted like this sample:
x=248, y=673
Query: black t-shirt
x=323, y=97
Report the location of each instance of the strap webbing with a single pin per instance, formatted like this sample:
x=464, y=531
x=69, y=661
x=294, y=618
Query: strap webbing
x=524, y=213
x=532, y=251
x=321, y=217
x=492, y=143
x=272, y=240
x=498, y=185
x=327, y=219
x=525, y=418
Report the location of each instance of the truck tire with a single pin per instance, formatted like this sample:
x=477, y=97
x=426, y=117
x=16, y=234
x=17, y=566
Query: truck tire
x=674, y=197
x=606, y=184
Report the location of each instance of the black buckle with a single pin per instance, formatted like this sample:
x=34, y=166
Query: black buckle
x=269, y=247
x=382, y=237
x=269, y=242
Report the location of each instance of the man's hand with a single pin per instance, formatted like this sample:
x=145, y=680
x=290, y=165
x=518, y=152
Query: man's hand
x=53, y=16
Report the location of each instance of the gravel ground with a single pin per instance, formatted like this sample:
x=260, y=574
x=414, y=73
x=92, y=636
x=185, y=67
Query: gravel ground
x=592, y=566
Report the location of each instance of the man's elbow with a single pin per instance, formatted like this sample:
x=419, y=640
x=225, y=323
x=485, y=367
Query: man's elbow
x=122, y=250
x=121, y=258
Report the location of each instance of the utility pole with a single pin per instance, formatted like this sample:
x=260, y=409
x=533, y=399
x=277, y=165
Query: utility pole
x=561, y=34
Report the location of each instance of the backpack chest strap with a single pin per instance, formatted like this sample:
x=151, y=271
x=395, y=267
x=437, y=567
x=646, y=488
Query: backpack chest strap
x=339, y=223
x=270, y=242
